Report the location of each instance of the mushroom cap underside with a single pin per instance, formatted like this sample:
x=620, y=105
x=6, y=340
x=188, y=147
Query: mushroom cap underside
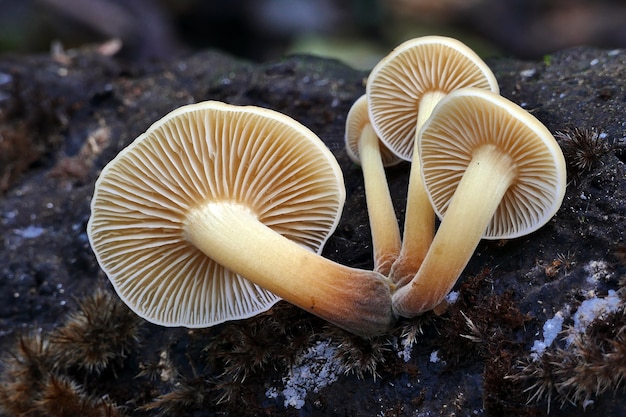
x=208, y=152
x=468, y=119
x=356, y=121
x=428, y=64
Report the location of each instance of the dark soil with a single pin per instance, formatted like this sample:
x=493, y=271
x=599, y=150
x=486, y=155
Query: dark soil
x=63, y=118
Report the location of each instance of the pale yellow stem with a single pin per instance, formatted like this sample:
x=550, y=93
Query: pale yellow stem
x=474, y=203
x=382, y=217
x=419, y=218
x=356, y=300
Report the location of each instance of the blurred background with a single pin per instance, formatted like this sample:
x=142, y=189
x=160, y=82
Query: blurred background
x=358, y=32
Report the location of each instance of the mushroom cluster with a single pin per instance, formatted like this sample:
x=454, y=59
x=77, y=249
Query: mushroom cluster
x=482, y=164
x=218, y=211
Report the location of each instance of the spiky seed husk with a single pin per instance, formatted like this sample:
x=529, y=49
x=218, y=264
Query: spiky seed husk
x=582, y=149
x=102, y=330
x=185, y=397
x=60, y=396
x=357, y=355
x=272, y=339
x=24, y=371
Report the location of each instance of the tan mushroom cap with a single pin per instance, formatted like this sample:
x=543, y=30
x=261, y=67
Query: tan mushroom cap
x=356, y=121
x=208, y=152
x=397, y=84
x=491, y=170
x=470, y=119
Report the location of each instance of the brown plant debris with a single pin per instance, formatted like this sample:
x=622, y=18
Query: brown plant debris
x=79, y=166
x=28, y=129
x=489, y=327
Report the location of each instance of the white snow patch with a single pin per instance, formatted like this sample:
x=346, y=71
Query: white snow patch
x=593, y=308
x=598, y=271
x=588, y=311
x=30, y=232
x=452, y=297
x=407, y=347
x=551, y=329
x=315, y=369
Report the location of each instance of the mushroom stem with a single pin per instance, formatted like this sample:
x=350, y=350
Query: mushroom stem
x=419, y=218
x=382, y=217
x=354, y=299
x=425, y=109
x=484, y=183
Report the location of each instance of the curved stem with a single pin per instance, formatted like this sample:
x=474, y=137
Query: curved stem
x=356, y=300
x=473, y=204
x=382, y=216
x=419, y=218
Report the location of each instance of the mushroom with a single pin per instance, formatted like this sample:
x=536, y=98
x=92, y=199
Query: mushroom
x=218, y=211
x=364, y=148
x=402, y=90
x=491, y=170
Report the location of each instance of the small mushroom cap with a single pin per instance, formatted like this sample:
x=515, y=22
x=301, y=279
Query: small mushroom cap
x=358, y=117
x=428, y=64
x=208, y=152
x=468, y=119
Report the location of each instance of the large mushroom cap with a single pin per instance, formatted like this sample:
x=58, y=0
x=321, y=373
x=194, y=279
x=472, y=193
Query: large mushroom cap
x=471, y=118
x=356, y=121
x=428, y=64
x=208, y=152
